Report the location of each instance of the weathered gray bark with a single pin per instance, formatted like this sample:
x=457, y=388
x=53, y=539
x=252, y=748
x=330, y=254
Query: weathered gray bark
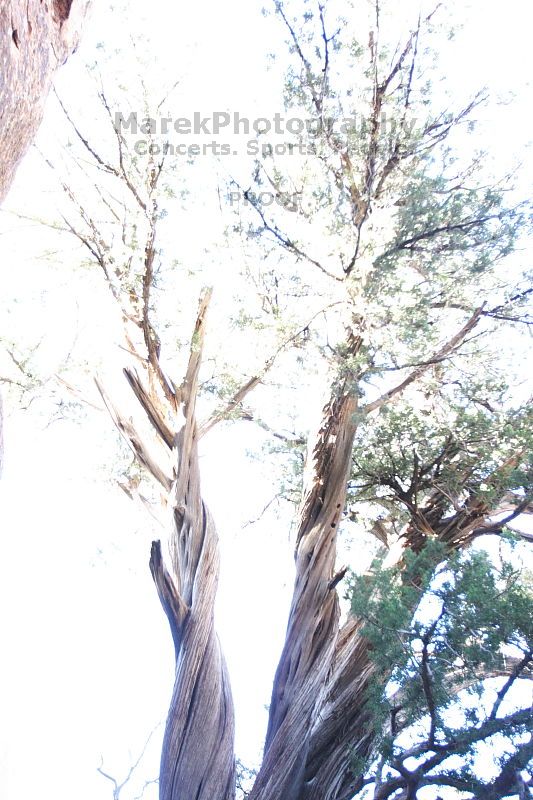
x=198, y=749
x=197, y=759
x=36, y=37
x=305, y=664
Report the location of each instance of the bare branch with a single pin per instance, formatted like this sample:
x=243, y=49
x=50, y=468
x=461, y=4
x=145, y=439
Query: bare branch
x=118, y=787
x=130, y=434
x=448, y=348
x=288, y=244
x=247, y=387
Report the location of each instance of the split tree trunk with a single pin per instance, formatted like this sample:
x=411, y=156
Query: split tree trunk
x=318, y=718
x=197, y=759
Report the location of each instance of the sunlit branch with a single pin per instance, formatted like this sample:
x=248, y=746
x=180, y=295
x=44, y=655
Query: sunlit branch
x=288, y=244
x=118, y=787
x=448, y=348
x=251, y=384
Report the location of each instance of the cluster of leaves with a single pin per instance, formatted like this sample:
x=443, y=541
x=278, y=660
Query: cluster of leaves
x=452, y=447
x=244, y=779
x=437, y=625
x=470, y=228
x=383, y=199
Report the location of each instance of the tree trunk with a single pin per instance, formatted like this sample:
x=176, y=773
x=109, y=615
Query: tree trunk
x=301, y=684
x=318, y=719
x=313, y=717
x=36, y=38
x=197, y=759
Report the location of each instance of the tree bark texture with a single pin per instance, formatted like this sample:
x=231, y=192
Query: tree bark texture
x=304, y=671
x=314, y=683
x=37, y=36
x=197, y=759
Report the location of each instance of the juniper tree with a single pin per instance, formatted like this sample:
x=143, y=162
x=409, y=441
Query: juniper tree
x=393, y=282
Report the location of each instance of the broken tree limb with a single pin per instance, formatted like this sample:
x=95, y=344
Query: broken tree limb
x=197, y=759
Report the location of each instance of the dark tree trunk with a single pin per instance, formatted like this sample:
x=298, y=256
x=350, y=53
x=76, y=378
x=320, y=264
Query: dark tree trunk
x=36, y=37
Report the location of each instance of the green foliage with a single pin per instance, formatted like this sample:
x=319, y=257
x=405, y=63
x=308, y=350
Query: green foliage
x=385, y=599
x=453, y=446
x=415, y=227
x=438, y=625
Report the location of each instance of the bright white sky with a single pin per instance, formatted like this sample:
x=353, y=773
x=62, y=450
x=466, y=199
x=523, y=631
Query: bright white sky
x=87, y=659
